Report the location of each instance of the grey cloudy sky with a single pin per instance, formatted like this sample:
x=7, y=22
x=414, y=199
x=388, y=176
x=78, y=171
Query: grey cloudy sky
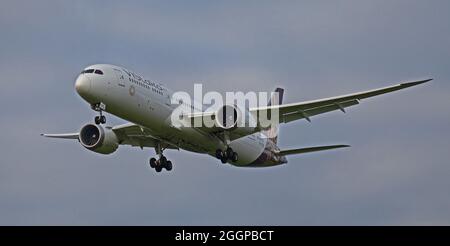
x=396, y=173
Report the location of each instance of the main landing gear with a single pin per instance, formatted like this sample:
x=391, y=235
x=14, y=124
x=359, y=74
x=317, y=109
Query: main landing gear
x=99, y=107
x=226, y=155
x=162, y=162
x=158, y=165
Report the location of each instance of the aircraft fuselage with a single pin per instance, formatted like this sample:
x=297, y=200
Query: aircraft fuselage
x=148, y=104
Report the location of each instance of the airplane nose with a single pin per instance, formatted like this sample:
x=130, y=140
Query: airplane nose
x=82, y=85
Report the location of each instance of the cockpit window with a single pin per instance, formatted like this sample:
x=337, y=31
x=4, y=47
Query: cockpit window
x=88, y=71
x=98, y=72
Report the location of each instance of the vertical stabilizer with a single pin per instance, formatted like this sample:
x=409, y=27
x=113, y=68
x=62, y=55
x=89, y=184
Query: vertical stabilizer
x=276, y=99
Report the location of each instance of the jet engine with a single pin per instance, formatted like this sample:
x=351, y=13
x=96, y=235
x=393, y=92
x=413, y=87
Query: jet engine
x=98, y=139
x=236, y=120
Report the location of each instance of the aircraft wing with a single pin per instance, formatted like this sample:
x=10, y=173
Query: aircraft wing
x=304, y=110
x=63, y=135
x=135, y=135
x=127, y=134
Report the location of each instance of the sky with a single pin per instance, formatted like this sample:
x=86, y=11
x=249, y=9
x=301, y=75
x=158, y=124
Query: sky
x=395, y=173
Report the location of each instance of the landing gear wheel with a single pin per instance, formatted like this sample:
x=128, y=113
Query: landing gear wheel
x=234, y=157
x=168, y=165
x=224, y=159
x=229, y=152
x=163, y=161
x=100, y=119
x=152, y=162
x=158, y=168
x=219, y=154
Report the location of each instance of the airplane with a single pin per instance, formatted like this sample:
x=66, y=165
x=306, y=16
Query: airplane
x=147, y=106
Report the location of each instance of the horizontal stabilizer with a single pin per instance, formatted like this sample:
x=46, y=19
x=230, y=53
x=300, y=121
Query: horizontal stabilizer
x=311, y=149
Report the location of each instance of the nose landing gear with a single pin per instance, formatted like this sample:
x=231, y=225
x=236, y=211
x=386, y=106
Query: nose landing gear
x=100, y=119
x=99, y=107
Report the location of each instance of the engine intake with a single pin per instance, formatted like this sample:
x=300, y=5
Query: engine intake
x=98, y=139
x=227, y=117
x=236, y=120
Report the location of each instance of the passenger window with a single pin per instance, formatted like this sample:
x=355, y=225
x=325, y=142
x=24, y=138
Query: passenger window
x=98, y=72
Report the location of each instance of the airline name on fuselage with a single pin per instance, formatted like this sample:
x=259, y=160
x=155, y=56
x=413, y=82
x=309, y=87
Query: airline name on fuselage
x=140, y=79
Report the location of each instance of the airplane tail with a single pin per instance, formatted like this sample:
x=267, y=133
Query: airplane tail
x=276, y=99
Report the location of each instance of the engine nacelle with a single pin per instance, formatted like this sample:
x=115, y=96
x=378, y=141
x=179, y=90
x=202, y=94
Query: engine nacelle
x=98, y=139
x=232, y=118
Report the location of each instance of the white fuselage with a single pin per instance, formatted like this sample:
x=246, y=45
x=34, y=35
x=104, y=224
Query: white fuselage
x=147, y=103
